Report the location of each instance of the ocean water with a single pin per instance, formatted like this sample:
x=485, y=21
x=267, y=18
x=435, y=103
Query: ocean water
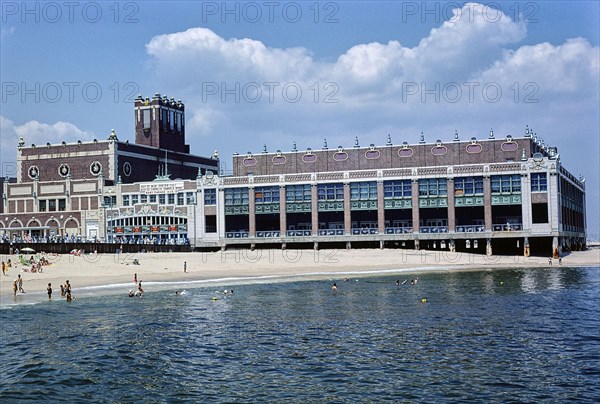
x=529, y=335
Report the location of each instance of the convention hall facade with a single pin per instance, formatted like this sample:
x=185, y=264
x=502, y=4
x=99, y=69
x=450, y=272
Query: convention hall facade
x=489, y=195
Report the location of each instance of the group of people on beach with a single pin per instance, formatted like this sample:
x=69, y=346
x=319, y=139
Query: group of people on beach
x=139, y=292
x=65, y=291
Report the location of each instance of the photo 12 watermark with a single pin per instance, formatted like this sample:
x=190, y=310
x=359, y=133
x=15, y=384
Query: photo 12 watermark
x=453, y=12
x=54, y=12
x=290, y=92
x=52, y=92
x=253, y=12
x=469, y=91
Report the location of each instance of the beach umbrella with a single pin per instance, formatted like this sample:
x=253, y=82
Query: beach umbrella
x=28, y=250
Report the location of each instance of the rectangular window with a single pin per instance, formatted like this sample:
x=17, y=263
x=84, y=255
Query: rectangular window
x=146, y=113
x=433, y=187
x=42, y=206
x=236, y=196
x=190, y=198
x=180, y=198
x=468, y=186
x=162, y=199
x=539, y=182
x=266, y=195
x=134, y=199
x=298, y=193
x=52, y=205
x=171, y=199
x=330, y=192
x=506, y=184
x=210, y=196
x=152, y=198
x=143, y=198
x=125, y=200
x=172, y=120
x=397, y=189
x=62, y=205
x=363, y=191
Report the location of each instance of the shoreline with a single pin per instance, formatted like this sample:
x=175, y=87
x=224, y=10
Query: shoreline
x=114, y=274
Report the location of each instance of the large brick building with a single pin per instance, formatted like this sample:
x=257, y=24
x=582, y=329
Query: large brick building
x=491, y=195
x=59, y=188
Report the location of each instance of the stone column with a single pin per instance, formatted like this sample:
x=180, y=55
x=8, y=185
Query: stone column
x=347, y=211
x=314, y=210
x=487, y=203
x=220, y=213
x=488, y=247
x=451, y=210
x=251, y=212
x=555, y=247
x=415, y=206
x=380, y=208
x=282, y=212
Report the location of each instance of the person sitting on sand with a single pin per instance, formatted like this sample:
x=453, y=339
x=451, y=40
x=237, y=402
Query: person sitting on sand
x=9, y=263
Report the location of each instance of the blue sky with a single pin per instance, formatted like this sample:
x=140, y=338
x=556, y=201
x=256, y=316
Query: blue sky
x=274, y=73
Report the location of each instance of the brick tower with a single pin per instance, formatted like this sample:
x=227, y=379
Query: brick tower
x=160, y=123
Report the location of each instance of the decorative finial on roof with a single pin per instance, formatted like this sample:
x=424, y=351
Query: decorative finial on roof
x=21, y=142
x=389, y=140
x=356, y=142
x=456, y=136
x=527, y=133
x=216, y=154
x=113, y=135
x=523, y=155
x=325, y=144
x=199, y=175
x=422, y=138
x=491, y=133
x=294, y=148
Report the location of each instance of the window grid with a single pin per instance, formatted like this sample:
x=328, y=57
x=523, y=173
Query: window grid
x=210, y=196
x=468, y=186
x=433, y=187
x=363, y=191
x=236, y=196
x=266, y=195
x=330, y=192
x=397, y=189
x=506, y=184
x=539, y=182
x=298, y=193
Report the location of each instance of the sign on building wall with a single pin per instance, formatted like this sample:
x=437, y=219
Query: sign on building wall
x=158, y=188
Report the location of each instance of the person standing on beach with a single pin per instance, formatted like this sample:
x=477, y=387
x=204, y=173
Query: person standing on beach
x=135, y=278
x=3, y=268
x=184, y=266
x=15, y=287
x=20, y=283
x=68, y=289
x=49, y=289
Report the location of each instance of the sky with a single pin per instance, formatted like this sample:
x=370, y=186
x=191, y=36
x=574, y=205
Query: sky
x=274, y=73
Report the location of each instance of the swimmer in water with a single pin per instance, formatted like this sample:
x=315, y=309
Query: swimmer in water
x=131, y=293
x=334, y=287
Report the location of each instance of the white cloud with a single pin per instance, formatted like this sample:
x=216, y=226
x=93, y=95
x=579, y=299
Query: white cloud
x=33, y=132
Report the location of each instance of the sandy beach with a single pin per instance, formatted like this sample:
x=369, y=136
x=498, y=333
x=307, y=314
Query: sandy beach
x=237, y=266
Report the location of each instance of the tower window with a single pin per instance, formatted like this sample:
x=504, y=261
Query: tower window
x=147, y=119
